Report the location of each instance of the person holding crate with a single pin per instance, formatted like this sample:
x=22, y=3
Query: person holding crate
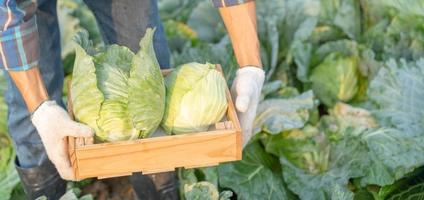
x=30, y=54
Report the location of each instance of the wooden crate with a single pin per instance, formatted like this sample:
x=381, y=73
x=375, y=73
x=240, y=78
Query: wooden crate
x=222, y=143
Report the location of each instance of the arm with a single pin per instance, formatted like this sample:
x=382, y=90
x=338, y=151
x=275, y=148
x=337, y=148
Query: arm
x=31, y=84
x=240, y=21
x=19, y=57
x=19, y=51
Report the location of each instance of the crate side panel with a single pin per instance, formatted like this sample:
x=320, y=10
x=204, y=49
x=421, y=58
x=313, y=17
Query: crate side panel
x=167, y=154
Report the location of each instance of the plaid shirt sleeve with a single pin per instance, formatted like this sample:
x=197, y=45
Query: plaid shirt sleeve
x=227, y=3
x=18, y=35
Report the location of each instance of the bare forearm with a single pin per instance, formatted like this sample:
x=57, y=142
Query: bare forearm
x=31, y=86
x=240, y=21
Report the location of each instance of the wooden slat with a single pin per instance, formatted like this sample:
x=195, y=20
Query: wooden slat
x=229, y=125
x=220, y=126
x=115, y=175
x=232, y=116
x=201, y=165
x=155, y=154
x=157, y=170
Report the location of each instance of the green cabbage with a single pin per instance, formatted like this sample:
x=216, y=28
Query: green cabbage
x=195, y=98
x=335, y=79
x=121, y=95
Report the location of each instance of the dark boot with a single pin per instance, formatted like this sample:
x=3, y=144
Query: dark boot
x=160, y=186
x=41, y=181
x=166, y=184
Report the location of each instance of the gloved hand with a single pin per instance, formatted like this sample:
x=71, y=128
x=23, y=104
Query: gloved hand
x=246, y=91
x=53, y=125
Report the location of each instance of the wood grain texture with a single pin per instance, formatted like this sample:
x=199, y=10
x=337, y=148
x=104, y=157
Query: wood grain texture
x=159, y=154
x=232, y=116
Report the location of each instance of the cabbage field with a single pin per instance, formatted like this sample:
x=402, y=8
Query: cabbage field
x=341, y=115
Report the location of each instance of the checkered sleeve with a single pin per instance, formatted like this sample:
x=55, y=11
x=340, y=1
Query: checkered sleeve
x=227, y=3
x=19, y=47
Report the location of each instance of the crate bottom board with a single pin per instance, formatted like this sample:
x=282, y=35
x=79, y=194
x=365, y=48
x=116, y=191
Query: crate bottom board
x=154, y=155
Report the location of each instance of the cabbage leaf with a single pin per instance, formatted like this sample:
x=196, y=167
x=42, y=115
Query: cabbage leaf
x=121, y=95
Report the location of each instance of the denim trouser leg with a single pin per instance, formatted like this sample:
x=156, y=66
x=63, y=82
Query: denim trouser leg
x=29, y=149
x=124, y=22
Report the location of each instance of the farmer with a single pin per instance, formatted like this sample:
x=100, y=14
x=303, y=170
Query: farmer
x=37, y=120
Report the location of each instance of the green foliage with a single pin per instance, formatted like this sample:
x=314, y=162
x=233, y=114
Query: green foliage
x=179, y=35
x=201, y=183
x=254, y=177
x=220, y=53
x=406, y=187
x=9, y=178
x=205, y=20
x=3, y=106
x=366, y=53
x=74, y=16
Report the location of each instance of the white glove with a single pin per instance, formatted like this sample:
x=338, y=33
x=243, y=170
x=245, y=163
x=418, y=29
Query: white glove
x=54, y=125
x=246, y=90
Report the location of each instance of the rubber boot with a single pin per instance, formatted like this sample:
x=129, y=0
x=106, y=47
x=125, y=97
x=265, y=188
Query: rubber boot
x=41, y=181
x=160, y=186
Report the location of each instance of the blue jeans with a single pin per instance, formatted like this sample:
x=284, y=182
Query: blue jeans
x=121, y=21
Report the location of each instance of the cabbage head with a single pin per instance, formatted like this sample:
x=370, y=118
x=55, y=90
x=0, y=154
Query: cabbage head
x=335, y=79
x=195, y=98
x=121, y=95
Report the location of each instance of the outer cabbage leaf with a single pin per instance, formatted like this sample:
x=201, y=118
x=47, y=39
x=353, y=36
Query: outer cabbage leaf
x=348, y=159
x=392, y=154
x=112, y=70
x=195, y=99
x=254, y=177
x=146, y=100
x=85, y=95
x=277, y=115
x=397, y=92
